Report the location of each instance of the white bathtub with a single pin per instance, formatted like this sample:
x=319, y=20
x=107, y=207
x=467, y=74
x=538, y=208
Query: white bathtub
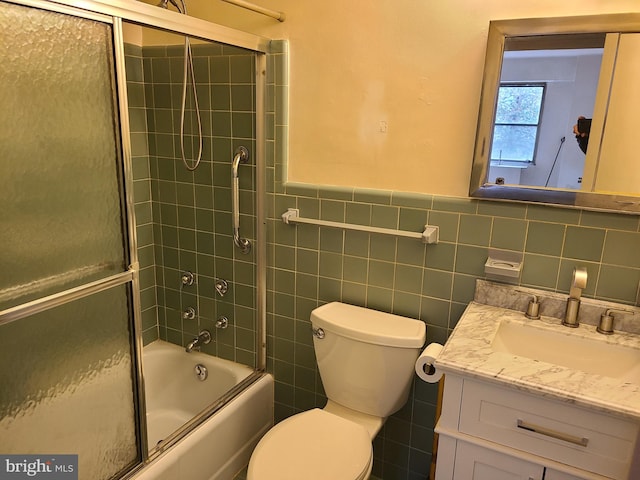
x=218, y=448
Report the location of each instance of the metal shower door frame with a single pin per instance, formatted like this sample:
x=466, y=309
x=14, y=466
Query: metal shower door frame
x=154, y=17
x=130, y=275
x=114, y=12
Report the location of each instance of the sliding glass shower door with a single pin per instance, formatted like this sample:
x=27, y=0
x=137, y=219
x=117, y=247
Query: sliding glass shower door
x=67, y=369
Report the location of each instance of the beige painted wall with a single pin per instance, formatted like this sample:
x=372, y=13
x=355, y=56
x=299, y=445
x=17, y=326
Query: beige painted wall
x=414, y=64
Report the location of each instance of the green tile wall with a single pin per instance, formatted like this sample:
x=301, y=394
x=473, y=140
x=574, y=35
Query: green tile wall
x=309, y=266
x=184, y=218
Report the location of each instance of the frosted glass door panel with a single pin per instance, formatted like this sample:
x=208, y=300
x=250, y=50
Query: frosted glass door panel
x=59, y=154
x=67, y=384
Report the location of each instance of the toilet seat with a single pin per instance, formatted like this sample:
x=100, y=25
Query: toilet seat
x=314, y=445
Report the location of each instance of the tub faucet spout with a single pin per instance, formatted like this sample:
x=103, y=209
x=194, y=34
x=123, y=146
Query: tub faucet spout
x=203, y=338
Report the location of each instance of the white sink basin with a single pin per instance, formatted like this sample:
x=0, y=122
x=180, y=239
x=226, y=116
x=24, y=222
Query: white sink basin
x=565, y=347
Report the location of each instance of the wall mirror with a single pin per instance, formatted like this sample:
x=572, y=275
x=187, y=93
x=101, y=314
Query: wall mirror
x=546, y=79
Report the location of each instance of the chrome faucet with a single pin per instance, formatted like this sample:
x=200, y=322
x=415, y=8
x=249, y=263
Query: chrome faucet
x=578, y=282
x=203, y=338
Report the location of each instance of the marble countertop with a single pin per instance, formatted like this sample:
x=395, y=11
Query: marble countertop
x=469, y=352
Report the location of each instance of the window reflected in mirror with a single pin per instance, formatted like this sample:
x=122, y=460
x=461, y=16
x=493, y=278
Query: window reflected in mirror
x=517, y=124
x=546, y=84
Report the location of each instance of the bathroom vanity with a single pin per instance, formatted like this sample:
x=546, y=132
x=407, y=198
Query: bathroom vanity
x=531, y=399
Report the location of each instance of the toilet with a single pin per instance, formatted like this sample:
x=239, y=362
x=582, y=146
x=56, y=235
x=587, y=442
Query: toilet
x=366, y=360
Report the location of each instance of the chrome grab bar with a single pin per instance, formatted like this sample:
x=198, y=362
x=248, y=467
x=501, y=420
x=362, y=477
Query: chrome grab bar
x=241, y=156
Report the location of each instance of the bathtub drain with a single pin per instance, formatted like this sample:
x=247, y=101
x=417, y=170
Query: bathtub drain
x=201, y=372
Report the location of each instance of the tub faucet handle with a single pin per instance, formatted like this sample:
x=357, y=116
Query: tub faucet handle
x=221, y=286
x=188, y=278
x=222, y=322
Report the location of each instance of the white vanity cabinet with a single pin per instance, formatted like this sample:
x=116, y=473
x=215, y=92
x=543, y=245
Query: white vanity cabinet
x=492, y=432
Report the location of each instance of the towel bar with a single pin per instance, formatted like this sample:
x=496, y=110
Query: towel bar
x=429, y=235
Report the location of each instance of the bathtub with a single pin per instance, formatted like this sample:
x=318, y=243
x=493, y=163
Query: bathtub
x=220, y=446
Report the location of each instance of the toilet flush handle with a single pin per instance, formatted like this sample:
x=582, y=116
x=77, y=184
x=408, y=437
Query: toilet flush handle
x=318, y=333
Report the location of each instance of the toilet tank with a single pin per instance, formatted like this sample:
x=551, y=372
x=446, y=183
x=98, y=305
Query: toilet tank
x=366, y=358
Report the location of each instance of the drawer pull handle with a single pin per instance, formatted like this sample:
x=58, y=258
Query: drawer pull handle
x=552, y=433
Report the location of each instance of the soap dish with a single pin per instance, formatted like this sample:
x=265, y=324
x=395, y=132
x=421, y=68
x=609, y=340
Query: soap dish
x=503, y=268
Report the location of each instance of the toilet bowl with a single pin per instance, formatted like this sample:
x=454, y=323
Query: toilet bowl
x=366, y=360
x=313, y=445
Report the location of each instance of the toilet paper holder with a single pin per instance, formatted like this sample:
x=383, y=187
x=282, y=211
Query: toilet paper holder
x=429, y=369
x=426, y=367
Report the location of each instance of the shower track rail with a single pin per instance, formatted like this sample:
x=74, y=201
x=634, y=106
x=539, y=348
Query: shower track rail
x=430, y=234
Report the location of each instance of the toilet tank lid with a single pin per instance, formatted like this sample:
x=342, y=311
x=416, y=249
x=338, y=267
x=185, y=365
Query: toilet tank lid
x=370, y=326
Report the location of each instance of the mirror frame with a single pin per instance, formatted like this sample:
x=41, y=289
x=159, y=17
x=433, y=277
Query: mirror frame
x=499, y=31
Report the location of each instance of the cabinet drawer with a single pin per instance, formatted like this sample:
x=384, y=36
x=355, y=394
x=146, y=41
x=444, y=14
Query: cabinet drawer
x=591, y=441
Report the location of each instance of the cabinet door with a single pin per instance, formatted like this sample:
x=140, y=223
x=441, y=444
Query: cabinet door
x=477, y=463
x=551, y=474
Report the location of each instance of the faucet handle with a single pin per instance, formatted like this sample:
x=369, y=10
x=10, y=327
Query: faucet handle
x=533, y=309
x=205, y=337
x=605, y=326
x=221, y=286
x=188, y=278
x=606, y=323
x=222, y=322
